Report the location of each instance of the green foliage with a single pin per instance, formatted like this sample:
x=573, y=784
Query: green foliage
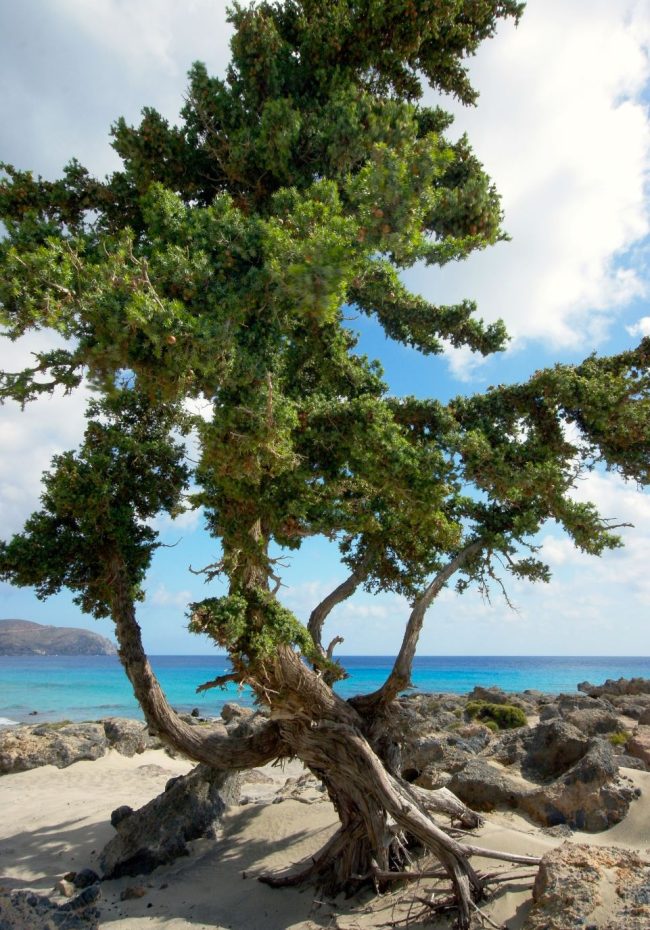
x=619, y=738
x=504, y=716
x=95, y=504
x=219, y=264
x=251, y=625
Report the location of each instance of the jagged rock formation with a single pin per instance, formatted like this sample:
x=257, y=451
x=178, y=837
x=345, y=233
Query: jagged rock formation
x=25, y=638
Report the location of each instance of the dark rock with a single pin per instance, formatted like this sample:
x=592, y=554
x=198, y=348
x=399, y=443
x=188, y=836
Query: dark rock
x=85, y=878
x=191, y=806
x=132, y=892
x=24, y=748
x=594, y=722
x=120, y=814
x=574, y=882
x=432, y=778
x=491, y=695
x=552, y=748
x=474, y=736
x=549, y=711
x=24, y=910
x=639, y=744
x=483, y=787
x=631, y=762
x=195, y=712
x=587, y=797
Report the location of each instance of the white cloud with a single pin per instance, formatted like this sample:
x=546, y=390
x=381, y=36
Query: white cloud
x=563, y=128
x=70, y=69
x=29, y=438
x=163, y=597
x=640, y=328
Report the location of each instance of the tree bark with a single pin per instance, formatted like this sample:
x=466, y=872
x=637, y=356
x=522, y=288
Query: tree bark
x=380, y=814
x=400, y=675
x=214, y=749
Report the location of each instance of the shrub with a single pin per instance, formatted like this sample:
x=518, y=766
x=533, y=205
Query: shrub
x=619, y=738
x=505, y=716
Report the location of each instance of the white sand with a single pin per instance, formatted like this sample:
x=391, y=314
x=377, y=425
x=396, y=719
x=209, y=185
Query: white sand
x=57, y=820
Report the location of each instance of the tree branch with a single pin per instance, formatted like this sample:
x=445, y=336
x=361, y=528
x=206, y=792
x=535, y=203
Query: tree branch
x=321, y=612
x=216, y=750
x=400, y=676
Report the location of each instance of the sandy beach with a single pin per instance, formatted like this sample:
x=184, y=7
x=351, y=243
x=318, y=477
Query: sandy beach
x=57, y=820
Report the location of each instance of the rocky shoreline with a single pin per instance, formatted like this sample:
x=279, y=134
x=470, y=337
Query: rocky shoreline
x=565, y=762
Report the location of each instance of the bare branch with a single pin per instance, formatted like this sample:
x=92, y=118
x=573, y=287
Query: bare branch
x=400, y=676
x=211, y=571
x=332, y=646
x=321, y=612
x=218, y=682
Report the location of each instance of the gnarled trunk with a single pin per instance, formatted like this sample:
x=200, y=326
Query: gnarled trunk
x=380, y=814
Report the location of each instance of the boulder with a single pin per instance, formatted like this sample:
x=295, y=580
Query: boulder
x=85, y=878
x=128, y=737
x=602, y=888
x=235, y=712
x=190, y=807
x=631, y=762
x=442, y=750
x=594, y=721
x=551, y=748
x=544, y=751
x=24, y=748
x=483, y=787
x=24, y=910
x=491, y=695
x=587, y=797
x=638, y=745
x=432, y=778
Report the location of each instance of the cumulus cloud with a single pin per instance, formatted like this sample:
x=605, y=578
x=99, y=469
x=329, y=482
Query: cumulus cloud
x=72, y=68
x=29, y=438
x=562, y=126
x=641, y=328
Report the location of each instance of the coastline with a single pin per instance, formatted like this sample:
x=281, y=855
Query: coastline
x=88, y=688
x=58, y=817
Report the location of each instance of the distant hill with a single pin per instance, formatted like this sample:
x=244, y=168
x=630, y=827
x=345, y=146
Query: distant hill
x=24, y=638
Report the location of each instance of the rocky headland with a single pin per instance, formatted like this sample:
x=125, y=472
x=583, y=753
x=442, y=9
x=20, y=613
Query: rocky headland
x=25, y=638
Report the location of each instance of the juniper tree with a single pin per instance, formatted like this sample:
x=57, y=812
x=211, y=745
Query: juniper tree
x=216, y=265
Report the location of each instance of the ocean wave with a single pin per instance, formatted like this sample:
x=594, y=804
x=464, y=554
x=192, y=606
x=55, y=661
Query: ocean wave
x=6, y=722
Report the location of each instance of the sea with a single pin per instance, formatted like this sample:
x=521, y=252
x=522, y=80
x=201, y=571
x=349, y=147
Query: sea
x=49, y=688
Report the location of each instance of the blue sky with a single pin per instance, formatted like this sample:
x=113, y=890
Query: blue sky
x=564, y=129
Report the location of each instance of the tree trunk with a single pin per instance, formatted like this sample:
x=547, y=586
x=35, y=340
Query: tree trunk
x=380, y=814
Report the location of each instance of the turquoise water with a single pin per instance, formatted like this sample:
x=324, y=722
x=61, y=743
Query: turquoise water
x=89, y=687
